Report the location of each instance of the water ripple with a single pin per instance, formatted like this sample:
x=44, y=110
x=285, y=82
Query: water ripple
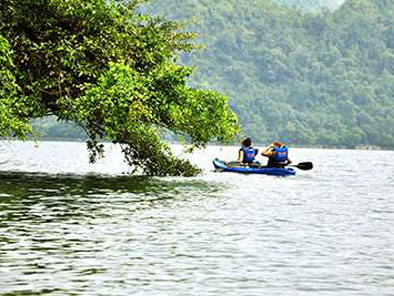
x=324, y=232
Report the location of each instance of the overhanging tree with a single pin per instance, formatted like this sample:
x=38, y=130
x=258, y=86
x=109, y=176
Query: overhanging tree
x=111, y=70
x=11, y=121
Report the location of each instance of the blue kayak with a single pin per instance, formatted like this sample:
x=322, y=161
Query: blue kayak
x=223, y=166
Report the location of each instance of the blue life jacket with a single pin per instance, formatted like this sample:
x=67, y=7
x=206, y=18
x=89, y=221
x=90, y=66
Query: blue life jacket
x=281, y=154
x=249, y=154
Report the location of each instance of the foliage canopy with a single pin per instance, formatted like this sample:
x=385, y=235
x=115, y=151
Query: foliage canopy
x=111, y=70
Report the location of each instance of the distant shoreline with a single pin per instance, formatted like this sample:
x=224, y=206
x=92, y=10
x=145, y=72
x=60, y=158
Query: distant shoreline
x=257, y=145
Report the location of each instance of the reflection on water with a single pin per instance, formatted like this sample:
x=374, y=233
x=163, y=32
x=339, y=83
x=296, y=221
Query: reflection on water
x=61, y=196
x=322, y=232
x=20, y=184
x=61, y=233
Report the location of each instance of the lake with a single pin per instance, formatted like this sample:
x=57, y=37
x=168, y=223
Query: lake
x=71, y=228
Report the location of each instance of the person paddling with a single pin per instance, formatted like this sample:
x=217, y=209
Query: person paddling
x=247, y=153
x=278, y=155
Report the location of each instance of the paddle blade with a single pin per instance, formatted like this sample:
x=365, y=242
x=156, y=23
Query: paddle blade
x=304, y=166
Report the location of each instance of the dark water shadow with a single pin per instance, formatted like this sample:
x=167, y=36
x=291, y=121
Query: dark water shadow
x=61, y=196
x=20, y=184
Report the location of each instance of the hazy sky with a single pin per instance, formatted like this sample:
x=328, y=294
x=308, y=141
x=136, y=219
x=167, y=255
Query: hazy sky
x=335, y=2
x=312, y=4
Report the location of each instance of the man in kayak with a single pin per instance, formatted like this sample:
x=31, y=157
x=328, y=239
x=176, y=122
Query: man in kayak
x=247, y=153
x=278, y=155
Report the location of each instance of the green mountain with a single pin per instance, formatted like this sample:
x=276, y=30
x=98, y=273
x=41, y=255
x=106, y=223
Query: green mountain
x=306, y=78
x=50, y=128
x=292, y=71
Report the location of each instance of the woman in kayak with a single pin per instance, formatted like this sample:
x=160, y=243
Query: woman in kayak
x=247, y=153
x=278, y=155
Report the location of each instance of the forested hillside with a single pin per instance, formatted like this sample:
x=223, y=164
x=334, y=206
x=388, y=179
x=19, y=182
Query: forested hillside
x=310, y=78
x=51, y=128
x=307, y=78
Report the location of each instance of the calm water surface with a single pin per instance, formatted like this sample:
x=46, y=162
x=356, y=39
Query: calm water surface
x=70, y=228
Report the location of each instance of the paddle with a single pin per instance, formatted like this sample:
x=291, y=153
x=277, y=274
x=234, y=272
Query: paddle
x=303, y=166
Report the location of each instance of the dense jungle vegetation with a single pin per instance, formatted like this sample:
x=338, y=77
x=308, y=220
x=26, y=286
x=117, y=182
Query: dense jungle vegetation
x=294, y=72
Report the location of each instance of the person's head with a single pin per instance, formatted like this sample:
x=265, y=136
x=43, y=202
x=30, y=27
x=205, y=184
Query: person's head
x=277, y=144
x=247, y=142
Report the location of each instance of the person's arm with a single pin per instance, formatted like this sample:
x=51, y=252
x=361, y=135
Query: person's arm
x=240, y=155
x=268, y=151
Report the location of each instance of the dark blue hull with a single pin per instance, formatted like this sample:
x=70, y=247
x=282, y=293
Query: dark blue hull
x=224, y=167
